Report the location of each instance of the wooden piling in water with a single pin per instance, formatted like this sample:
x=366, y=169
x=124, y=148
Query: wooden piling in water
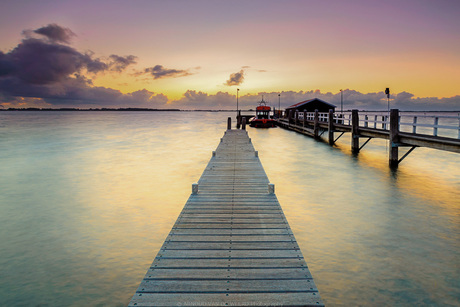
x=331, y=127
x=354, y=131
x=393, y=139
x=316, y=125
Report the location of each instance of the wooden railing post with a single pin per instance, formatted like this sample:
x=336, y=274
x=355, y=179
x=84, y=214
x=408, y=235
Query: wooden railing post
x=296, y=116
x=394, y=132
x=229, y=123
x=304, y=124
x=354, y=131
x=330, y=127
x=316, y=124
x=238, y=120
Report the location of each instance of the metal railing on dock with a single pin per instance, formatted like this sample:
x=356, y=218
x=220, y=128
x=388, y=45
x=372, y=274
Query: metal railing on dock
x=232, y=244
x=403, y=129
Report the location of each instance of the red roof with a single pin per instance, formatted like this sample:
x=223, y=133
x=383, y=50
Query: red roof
x=263, y=108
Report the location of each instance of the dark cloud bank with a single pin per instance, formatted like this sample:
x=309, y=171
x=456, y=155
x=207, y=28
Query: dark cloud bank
x=45, y=71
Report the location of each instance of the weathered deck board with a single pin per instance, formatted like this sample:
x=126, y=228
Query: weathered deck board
x=231, y=245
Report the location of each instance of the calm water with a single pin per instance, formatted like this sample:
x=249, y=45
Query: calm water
x=87, y=198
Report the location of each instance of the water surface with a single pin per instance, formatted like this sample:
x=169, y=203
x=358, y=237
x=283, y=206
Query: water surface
x=87, y=199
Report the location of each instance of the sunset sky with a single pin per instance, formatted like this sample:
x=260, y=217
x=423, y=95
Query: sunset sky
x=195, y=54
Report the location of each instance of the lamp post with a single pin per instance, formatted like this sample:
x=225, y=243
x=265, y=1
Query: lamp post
x=341, y=101
x=279, y=105
x=237, y=90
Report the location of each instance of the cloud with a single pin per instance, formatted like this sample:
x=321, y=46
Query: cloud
x=159, y=72
x=235, y=78
x=352, y=99
x=192, y=99
x=55, y=33
x=44, y=68
x=120, y=63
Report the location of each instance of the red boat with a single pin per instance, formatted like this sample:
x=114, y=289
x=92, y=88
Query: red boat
x=262, y=118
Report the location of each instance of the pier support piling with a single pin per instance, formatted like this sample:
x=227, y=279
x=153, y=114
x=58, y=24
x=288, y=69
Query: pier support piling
x=354, y=131
x=316, y=125
x=229, y=123
x=331, y=127
x=394, y=138
x=238, y=120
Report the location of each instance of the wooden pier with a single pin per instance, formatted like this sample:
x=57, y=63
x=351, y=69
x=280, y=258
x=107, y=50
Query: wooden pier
x=388, y=127
x=232, y=244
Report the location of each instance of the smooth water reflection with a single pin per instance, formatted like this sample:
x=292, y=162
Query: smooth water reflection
x=87, y=199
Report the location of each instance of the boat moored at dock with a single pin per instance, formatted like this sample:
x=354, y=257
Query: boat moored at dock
x=262, y=118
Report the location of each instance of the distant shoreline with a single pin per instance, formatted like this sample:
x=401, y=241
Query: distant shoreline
x=175, y=110
x=112, y=109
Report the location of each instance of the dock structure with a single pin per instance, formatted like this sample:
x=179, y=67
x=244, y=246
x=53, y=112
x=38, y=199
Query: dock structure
x=316, y=123
x=231, y=245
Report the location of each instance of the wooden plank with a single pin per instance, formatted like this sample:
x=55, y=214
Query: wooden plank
x=248, y=253
x=228, y=273
x=229, y=262
x=227, y=299
x=224, y=286
x=255, y=245
x=235, y=232
x=229, y=238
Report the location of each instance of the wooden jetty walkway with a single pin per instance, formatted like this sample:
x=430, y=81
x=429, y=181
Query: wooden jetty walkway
x=361, y=125
x=232, y=244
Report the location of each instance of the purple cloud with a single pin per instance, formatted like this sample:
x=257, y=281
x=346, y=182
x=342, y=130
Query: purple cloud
x=55, y=33
x=120, y=63
x=235, y=78
x=159, y=72
x=44, y=68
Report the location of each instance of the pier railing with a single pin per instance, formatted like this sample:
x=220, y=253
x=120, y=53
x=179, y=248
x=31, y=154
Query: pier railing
x=413, y=122
x=402, y=129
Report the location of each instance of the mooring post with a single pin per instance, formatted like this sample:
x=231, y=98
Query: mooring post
x=354, y=131
x=271, y=188
x=304, y=118
x=296, y=117
x=243, y=125
x=238, y=119
x=229, y=123
x=289, y=116
x=394, y=134
x=316, y=124
x=194, y=188
x=330, y=127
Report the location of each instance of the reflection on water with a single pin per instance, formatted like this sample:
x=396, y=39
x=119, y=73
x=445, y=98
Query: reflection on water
x=87, y=198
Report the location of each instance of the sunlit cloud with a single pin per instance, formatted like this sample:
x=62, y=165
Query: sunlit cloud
x=159, y=72
x=235, y=78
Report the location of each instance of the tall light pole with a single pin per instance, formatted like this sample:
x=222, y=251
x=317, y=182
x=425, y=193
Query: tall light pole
x=341, y=101
x=237, y=90
x=279, y=105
